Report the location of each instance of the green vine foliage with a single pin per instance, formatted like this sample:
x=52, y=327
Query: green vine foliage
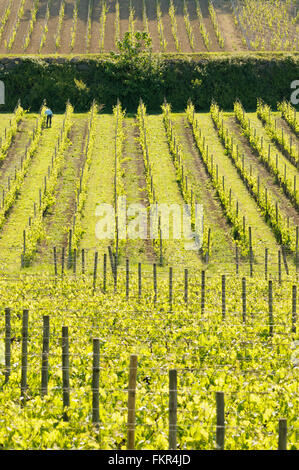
x=242, y=238
x=36, y=231
x=290, y=115
x=283, y=232
x=264, y=155
x=11, y=131
x=275, y=133
x=187, y=190
x=12, y=193
x=82, y=183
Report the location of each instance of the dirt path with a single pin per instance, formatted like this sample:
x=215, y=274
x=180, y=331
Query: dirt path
x=3, y=6
x=231, y=33
x=61, y=214
x=124, y=16
x=284, y=164
x=214, y=217
x=16, y=150
x=288, y=132
x=49, y=45
x=182, y=33
x=38, y=29
x=138, y=8
x=281, y=123
x=95, y=27
x=151, y=14
x=9, y=26
x=110, y=27
x=22, y=209
x=80, y=44
x=288, y=126
x=199, y=44
x=167, y=26
x=214, y=46
x=262, y=234
x=23, y=28
x=66, y=30
x=176, y=251
x=135, y=190
x=258, y=168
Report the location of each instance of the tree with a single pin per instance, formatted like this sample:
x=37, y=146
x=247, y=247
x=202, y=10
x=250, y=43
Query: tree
x=134, y=49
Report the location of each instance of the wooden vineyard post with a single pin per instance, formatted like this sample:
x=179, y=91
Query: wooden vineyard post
x=160, y=242
x=279, y=266
x=155, y=282
x=131, y=402
x=244, y=299
x=208, y=247
x=113, y=267
x=223, y=296
x=270, y=309
x=83, y=261
x=95, y=272
x=24, y=365
x=139, y=281
x=111, y=259
x=65, y=371
x=75, y=261
x=186, y=286
x=55, y=260
x=297, y=241
x=266, y=263
x=7, y=351
x=294, y=308
x=203, y=288
x=115, y=271
x=237, y=259
x=62, y=261
x=250, y=252
x=285, y=261
x=220, y=426
x=173, y=409
x=96, y=381
x=24, y=250
x=282, y=434
x=127, y=279
x=105, y=273
x=69, y=263
x=45, y=356
x=170, y=288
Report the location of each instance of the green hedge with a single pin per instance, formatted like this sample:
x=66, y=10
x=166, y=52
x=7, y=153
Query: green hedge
x=201, y=77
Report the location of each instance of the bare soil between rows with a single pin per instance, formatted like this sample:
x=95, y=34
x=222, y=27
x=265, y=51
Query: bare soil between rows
x=43, y=248
x=212, y=205
x=266, y=177
x=136, y=166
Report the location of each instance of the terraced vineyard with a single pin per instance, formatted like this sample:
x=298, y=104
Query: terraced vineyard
x=94, y=26
x=199, y=325
x=55, y=180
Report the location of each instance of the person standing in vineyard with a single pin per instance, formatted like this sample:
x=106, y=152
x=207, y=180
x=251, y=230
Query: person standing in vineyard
x=49, y=115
